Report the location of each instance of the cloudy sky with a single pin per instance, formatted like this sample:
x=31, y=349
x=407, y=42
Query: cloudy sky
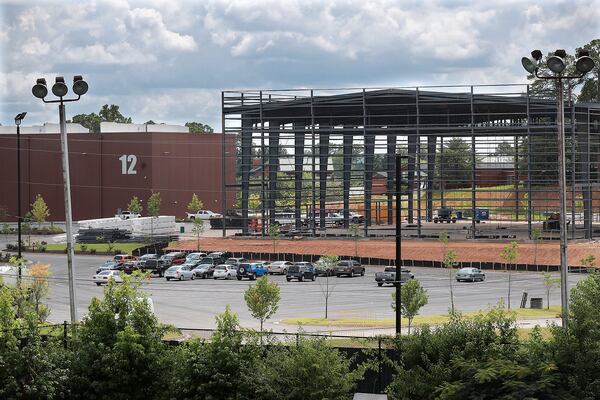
x=168, y=60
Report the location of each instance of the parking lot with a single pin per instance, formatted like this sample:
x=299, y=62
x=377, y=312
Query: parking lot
x=194, y=303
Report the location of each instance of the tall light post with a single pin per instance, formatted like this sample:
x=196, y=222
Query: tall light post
x=556, y=66
x=59, y=89
x=18, y=120
x=398, y=246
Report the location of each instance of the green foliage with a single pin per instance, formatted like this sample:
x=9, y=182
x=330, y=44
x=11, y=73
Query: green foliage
x=39, y=210
x=220, y=368
x=550, y=283
x=311, y=370
x=457, y=162
x=154, y=202
x=262, y=299
x=118, y=352
x=199, y=127
x=274, y=230
x=198, y=228
x=588, y=261
x=509, y=255
x=195, y=204
x=449, y=263
x=354, y=230
x=134, y=205
x=107, y=114
x=413, y=298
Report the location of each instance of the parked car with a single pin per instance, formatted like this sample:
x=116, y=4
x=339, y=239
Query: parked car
x=174, y=258
x=235, y=261
x=107, y=265
x=204, y=270
x=219, y=256
x=470, y=274
x=321, y=270
x=350, y=268
x=225, y=271
x=250, y=271
x=156, y=266
x=301, y=271
x=194, y=257
x=129, y=267
x=279, y=267
x=147, y=257
x=121, y=258
x=389, y=276
x=181, y=272
x=203, y=214
x=106, y=276
x=356, y=218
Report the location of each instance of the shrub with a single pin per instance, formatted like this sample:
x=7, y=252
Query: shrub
x=117, y=251
x=83, y=248
x=92, y=250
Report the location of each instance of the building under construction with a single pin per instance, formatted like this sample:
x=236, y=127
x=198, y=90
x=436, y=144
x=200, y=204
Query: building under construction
x=486, y=154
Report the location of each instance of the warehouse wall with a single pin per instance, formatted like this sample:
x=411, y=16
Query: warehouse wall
x=108, y=169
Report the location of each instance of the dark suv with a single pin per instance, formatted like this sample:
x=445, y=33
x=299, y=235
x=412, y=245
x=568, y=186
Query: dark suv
x=301, y=271
x=156, y=265
x=350, y=268
x=219, y=256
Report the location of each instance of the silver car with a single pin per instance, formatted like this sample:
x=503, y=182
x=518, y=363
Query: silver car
x=279, y=267
x=470, y=274
x=225, y=271
x=180, y=272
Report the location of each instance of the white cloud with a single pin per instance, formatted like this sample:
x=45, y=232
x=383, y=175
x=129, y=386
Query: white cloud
x=149, y=24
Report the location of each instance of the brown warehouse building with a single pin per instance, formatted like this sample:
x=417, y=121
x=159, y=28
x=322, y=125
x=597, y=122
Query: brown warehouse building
x=108, y=169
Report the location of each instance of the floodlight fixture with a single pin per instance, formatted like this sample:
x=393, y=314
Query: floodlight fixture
x=584, y=64
x=537, y=55
x=40, y=90
x=556, y=64
x=80, y=87
x=19, y=118
x=560, y=53
x=59, y=88
x=528, y=65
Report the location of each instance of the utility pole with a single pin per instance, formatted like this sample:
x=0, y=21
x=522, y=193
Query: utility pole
x=398, y=248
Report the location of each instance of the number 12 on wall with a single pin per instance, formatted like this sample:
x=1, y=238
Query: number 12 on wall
x=128, y=162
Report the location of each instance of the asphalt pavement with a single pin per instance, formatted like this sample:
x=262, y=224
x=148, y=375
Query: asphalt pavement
x=194, y=304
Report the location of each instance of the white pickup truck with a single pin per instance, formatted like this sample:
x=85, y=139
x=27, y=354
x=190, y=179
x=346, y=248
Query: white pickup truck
x=203, y=214
x=127, y=215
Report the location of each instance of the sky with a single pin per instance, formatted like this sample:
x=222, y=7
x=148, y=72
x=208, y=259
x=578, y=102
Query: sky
x=169, y=60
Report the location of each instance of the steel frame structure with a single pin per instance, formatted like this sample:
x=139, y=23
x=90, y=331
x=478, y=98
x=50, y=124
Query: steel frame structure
x=310, y=151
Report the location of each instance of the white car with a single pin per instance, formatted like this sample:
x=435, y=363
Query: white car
x=225, y=271
x=106, y=276
x=204, y=215
x=180, y=272
x=279, y=267
x=127, y=215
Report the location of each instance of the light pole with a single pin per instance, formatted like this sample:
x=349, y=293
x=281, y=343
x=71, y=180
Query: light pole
x=18, y=120
x=59, y=89
x=556, y=65
x=398, y=248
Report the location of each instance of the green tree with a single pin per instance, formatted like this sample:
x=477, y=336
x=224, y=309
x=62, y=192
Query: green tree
x=449, y=262
x=120, y=333
x=107, y=114
x=198, y=228
x=274, y=230
x=320, y=371
x=414, y=297
x=199, y=127
x=588, y=262
x=509, y=255
x=153, y=207
x=328, y=263
x=354, y=230
x=550, y=283
x=39, y=210
x=504, y=149
x=262, y=300
x=195, y=204
x=135, y=206
x=536, y=234
x=224, y=367
x=457, y=163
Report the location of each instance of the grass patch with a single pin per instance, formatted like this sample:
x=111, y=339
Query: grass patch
x=125, y=248
x=520, y=313
x=524, y=333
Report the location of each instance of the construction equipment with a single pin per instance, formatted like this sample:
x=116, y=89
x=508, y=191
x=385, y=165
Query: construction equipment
x=445, y=214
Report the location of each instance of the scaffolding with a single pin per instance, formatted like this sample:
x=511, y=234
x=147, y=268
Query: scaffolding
x=323, y=159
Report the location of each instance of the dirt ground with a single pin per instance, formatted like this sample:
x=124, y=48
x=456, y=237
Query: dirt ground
x=547, y=253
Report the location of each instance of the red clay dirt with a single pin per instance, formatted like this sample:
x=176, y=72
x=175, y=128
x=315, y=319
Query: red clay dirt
x=547, y=253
